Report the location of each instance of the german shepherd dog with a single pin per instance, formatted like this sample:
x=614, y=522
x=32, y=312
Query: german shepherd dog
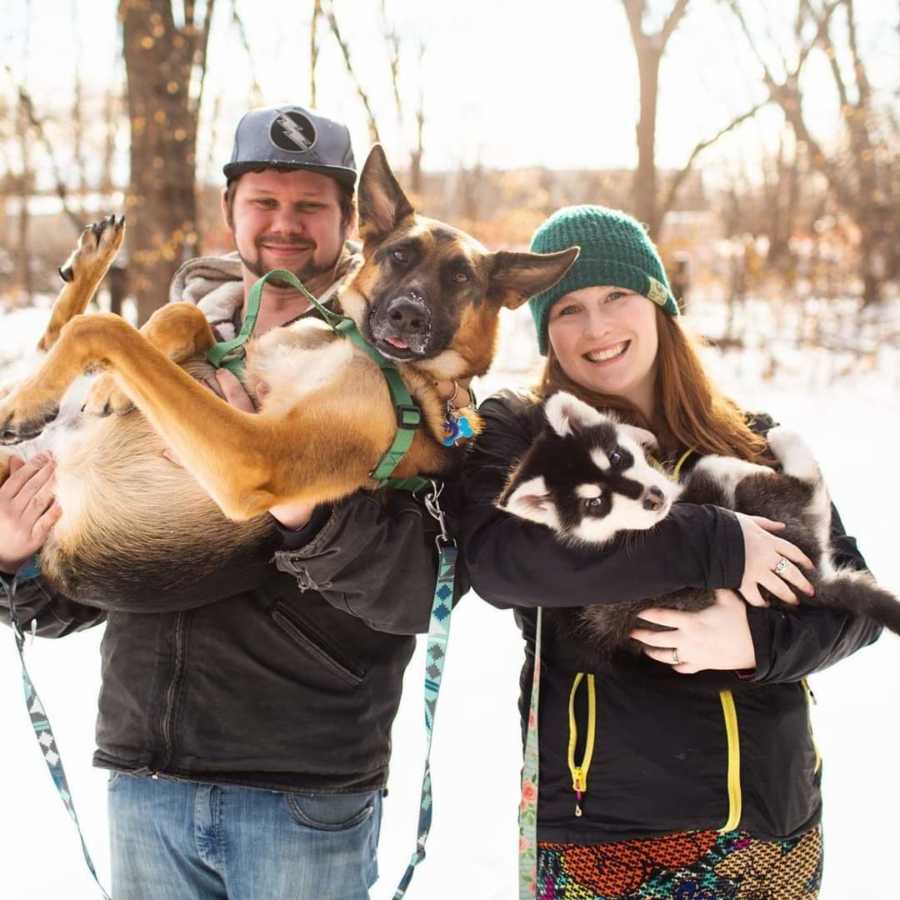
x=587, y=478
x=135, y=526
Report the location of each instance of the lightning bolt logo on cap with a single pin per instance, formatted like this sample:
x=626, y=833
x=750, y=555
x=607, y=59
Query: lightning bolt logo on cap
x=292, y=132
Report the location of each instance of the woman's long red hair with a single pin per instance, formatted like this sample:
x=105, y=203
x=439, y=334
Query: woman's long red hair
x=695, y=412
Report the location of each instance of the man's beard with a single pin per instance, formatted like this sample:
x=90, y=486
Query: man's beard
x=307, y=273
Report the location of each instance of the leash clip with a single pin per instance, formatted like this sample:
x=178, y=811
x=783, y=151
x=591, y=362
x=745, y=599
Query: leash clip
x=433, y=505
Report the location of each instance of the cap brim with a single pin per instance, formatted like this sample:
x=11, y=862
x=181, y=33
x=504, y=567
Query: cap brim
x=343, y=175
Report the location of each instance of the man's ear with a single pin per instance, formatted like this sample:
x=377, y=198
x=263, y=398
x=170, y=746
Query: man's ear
x=517, y=276
x=382, y=203
x=529, y=500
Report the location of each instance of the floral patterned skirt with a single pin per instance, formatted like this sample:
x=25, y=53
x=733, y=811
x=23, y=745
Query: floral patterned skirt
x=694, y=865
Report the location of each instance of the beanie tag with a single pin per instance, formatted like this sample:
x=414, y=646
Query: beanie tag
x=657, y=292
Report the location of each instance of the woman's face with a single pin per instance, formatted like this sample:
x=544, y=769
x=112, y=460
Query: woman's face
x=606, y=340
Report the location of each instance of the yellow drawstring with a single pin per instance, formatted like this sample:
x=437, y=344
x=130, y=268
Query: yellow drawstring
x=580, y=772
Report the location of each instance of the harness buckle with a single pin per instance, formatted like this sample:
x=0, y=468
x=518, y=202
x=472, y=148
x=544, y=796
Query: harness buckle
x=408, y=416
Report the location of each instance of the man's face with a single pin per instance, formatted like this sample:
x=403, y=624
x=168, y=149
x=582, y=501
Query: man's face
x=287, y=220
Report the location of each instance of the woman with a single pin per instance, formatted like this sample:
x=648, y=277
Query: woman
x=689, y=771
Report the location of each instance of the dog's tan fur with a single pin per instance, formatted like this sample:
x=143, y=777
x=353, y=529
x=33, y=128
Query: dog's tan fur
x=325, y=421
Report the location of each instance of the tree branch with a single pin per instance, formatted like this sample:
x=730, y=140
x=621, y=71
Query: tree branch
x=345, y=50
x=38, y=125
x=677, y=14
x=680, y=176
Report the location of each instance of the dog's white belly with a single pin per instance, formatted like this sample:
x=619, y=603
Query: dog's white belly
x=296, y=362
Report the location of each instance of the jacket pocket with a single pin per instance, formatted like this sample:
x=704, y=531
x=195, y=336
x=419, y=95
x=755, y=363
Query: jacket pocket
x=301, y=633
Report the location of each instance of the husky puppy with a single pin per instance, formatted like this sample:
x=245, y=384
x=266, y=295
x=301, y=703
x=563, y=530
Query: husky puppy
x=588, y=479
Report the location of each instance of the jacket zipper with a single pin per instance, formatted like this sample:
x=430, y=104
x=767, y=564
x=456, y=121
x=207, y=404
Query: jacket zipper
x=810, y=700
x=735, y=799
x=168, y=723
x=580, y=771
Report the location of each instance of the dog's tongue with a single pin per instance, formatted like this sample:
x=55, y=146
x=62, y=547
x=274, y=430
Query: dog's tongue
x=396, y=342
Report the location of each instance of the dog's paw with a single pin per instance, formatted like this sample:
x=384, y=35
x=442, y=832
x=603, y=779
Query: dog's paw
x=793, y=453
x=22, y=419
x=96, y=249
x=106, y=399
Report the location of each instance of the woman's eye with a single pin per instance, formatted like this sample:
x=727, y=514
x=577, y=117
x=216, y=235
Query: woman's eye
x=612, y=296
x=566, y=311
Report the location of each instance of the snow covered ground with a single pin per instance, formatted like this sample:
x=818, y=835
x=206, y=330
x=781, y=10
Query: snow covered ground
x=854, y=425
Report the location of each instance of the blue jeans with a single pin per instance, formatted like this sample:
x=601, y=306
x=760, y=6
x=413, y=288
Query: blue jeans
x=178, y=840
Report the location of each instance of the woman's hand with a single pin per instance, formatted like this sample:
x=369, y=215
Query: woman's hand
x=714, y=638
x=771, y=562
x=27, y=510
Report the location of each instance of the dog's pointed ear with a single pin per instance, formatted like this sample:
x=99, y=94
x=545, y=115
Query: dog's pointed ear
x=566, y=413
x=517, y=276
x=529, y=500
x=382, y=203
x=641, y=436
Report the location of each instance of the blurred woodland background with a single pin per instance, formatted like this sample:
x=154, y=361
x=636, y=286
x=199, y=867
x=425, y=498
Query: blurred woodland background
x=780, y=208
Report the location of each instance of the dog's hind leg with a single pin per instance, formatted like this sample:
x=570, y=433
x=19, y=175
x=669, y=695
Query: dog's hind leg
x=247, y=463
x=178, y=330
x=82, y=273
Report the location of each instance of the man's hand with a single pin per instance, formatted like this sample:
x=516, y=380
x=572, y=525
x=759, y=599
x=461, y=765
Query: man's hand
x=289, y=515
x=27, y=510
x=717, y=637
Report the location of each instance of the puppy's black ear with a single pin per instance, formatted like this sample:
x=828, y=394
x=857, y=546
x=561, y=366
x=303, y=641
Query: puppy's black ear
x=517, y=276
x=382, y=203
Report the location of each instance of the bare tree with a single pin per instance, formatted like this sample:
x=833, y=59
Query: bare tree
x=314, y=50
x=859, y=174
x=165, y=64
x=415, y=160
x=348, y=62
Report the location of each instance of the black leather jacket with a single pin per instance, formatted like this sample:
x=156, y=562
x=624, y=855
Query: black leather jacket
x=265, y=684
x=671, y=752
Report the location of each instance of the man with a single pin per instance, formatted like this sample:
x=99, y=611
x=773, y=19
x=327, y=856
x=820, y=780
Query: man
x=247, y=730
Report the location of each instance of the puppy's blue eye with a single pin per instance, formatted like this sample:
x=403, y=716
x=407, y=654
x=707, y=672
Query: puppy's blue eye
x=616, y=458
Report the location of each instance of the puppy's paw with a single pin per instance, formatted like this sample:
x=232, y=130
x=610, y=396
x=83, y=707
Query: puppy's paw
x=106, y=399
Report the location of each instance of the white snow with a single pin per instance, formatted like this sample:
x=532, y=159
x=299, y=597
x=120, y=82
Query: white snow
x=854, y=426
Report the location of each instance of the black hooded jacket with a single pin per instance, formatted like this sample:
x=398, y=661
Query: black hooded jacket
x=671, y=752
x=284, y=675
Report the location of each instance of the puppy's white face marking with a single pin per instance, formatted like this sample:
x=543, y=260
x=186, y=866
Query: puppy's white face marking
x=600, y=459
x=588, y=491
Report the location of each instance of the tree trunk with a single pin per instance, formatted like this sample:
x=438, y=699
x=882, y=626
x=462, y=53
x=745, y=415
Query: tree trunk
x=160, y=61
x=644, y=188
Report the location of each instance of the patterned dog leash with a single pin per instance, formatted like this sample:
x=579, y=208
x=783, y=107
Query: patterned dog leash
x=409, y=417
x=42, y=730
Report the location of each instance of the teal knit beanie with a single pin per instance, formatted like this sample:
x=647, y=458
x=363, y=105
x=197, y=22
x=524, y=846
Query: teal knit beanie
x=615, y=250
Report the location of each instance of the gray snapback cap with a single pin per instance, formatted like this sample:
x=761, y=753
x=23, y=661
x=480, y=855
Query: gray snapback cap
x=290, y=137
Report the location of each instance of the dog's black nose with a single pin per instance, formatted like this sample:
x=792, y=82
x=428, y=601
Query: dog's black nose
x=408, y=317
x=653, y=499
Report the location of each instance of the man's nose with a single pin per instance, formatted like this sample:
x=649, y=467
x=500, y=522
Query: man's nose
x=288, y=221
